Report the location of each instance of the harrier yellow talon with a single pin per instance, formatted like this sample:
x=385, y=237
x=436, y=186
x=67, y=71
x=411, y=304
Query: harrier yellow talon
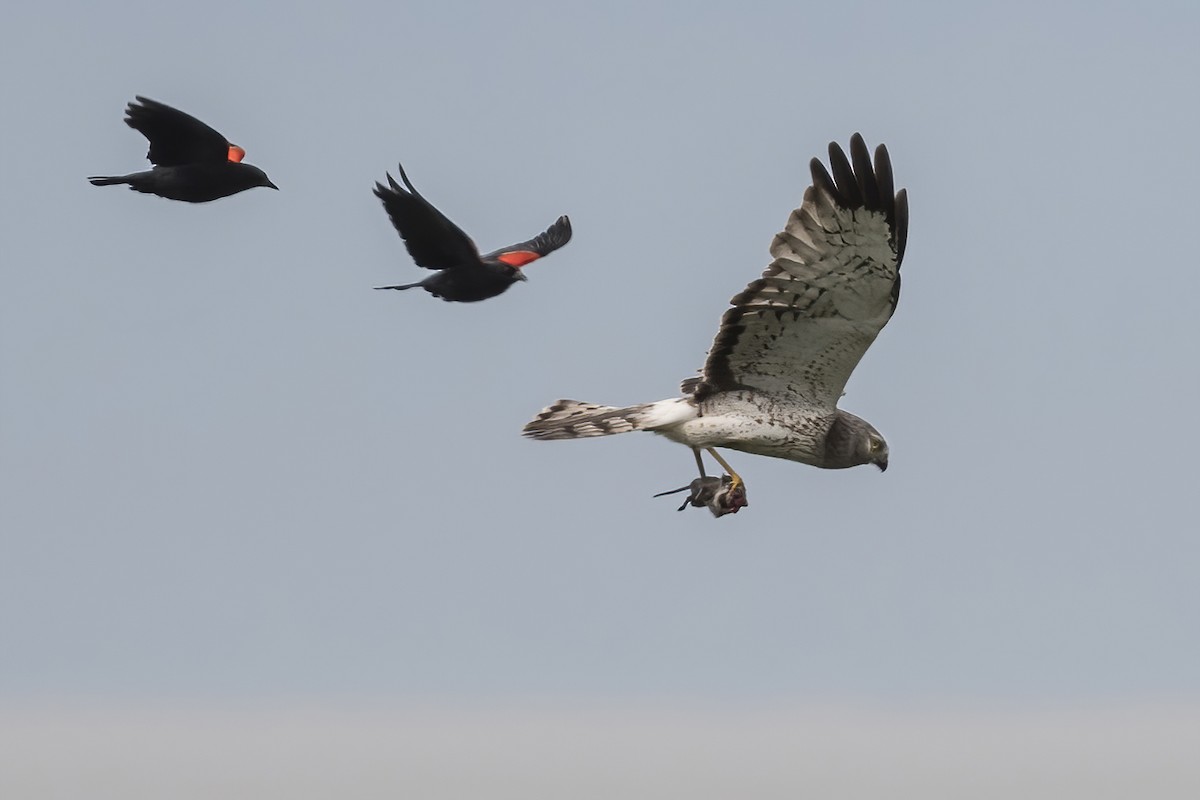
x=738, y=483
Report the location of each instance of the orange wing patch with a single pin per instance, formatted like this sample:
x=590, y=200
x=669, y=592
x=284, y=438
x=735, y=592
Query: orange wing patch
x=518, y=258
x=236, y=154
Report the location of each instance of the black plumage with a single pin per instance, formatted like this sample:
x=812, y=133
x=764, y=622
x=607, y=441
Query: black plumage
x=192, y=162
x=434, y=242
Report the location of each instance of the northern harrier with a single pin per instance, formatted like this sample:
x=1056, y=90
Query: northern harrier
x=434, y=242
x=784, y=351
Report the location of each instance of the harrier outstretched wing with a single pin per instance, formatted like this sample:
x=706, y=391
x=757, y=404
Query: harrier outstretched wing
x=801, y=328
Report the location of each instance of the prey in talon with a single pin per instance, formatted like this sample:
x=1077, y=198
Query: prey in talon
x=720, y=495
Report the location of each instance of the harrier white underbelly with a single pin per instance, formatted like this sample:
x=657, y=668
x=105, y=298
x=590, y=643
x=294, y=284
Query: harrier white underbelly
x=752, y=426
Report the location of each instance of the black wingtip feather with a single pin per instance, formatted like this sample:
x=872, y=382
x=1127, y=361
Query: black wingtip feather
x=141, y=106
x=407, y=182
x=843, y=175
x=560, y=232
x=883, y=174
x=554, y=237
x=868, y=185
x=821, y=178
x=901, y=224
x=390, y=192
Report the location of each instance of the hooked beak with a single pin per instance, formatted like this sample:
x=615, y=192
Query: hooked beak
x=882, y=465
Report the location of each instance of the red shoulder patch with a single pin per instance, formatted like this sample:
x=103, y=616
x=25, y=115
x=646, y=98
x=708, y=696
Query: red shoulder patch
x=518, y=258
x=236, y=154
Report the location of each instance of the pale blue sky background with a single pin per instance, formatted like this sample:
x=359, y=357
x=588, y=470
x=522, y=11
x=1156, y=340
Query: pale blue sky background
x=233, y=473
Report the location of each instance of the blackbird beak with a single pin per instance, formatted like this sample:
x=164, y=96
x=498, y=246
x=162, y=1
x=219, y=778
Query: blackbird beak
x=520, y=275
x=273, y=186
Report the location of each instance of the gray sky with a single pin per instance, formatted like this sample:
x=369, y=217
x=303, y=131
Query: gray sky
x=233, y=472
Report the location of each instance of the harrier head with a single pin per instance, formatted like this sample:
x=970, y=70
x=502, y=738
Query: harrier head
x=852, y=441
x=874, y=449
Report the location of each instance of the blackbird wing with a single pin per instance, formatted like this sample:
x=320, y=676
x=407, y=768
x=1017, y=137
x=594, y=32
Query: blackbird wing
x=176, y=138
x=433, y=241
x=545, y=243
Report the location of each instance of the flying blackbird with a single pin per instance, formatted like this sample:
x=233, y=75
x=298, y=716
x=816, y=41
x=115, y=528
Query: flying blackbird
x=191, y=161
x=434, y=242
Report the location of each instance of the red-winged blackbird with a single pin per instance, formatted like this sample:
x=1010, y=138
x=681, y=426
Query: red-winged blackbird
x=191, y=161
x=434, y=242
